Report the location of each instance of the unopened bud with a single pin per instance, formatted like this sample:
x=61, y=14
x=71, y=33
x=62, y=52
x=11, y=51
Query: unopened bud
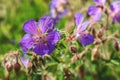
x=8, y=67
x=94, y=32
x=100, y=33
x=95, y=53
x=117, y=45
x=17, y=67
x=73, y=49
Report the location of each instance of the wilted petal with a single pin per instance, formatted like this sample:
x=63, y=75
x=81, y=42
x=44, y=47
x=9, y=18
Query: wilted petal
x=30, y=27
x=26, y=43
x=86, y=39
x=43, y=48
x=53, y=37
x=79, y=18
x=92, y=10
x=46, y=23
x=25, y=61
x=100, y=2
x=83, y=26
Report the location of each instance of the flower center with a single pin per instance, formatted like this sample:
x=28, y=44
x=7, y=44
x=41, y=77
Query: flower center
x=40, y=37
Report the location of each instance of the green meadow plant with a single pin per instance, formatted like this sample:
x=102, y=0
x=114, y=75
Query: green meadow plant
x=62, y=43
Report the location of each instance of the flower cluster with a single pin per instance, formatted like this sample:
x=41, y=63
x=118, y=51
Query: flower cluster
x=96, y=11
x=45, y=47
x=41, y=37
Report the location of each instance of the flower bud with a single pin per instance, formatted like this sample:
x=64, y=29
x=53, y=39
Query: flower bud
x=8, y=67
x=117, y=45
x=95, y=53
x=73, y=49
x=100, y=33
x=17, y=67
x=94, y=32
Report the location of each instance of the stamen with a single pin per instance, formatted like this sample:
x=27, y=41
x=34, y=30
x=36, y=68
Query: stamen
x=39, y=30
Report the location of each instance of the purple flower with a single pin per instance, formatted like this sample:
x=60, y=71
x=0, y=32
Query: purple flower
x=100, y=2
x=24, y=61
x=40, y=36
x=115, y=11
x=96, y=11
x=83, y=37
x=58, y=8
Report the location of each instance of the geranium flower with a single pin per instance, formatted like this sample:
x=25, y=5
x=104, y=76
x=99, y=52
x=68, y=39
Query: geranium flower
x=40, y=36
x=96, y=11
x=83, y=37
x=58, y=8
x=115, y=11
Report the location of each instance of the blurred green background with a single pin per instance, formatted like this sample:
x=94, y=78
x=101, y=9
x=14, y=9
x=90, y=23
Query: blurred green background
x=13, y=14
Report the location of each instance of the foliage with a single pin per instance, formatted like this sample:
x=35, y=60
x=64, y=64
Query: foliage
x=62, y=63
